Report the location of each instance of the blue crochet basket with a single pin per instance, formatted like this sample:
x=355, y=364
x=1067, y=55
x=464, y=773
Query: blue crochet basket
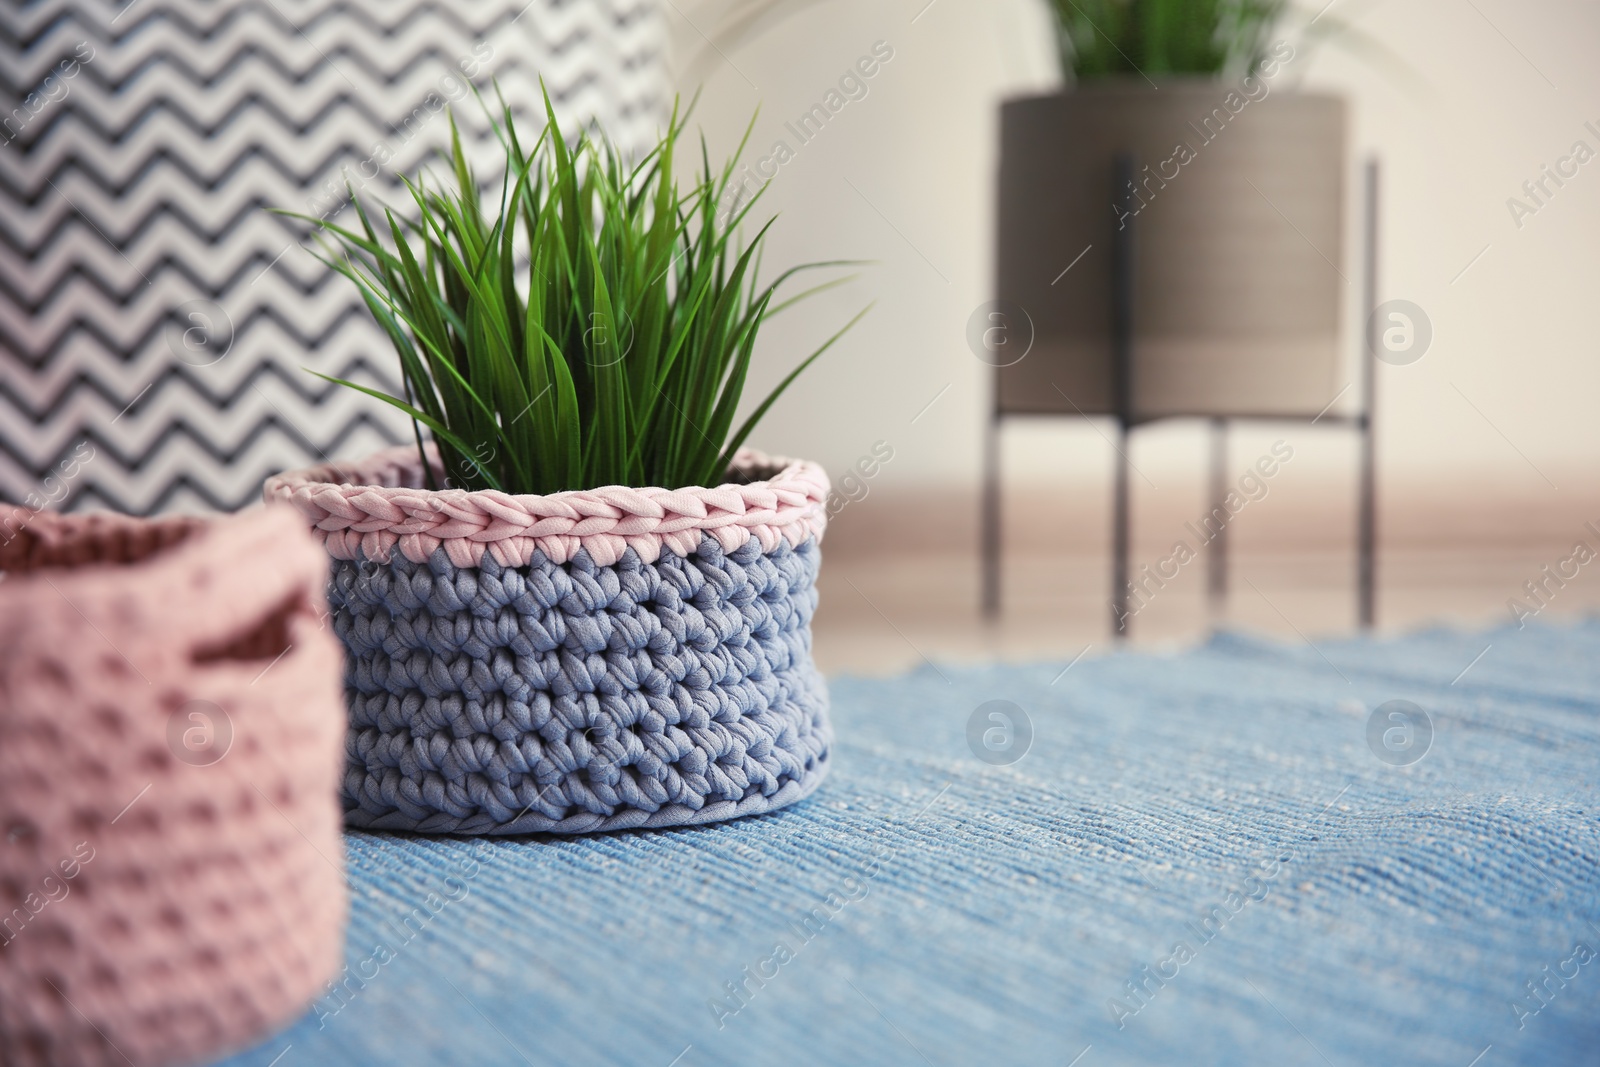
x=585, y=661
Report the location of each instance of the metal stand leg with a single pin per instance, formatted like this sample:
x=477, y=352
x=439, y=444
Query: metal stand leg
x=1119, y=537
x=990, y=532
x=1367, y=520
x=1121, y=383
x=1217, y=557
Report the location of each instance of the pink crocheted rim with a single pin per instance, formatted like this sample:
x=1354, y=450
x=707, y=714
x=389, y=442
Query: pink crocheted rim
x=373, y=506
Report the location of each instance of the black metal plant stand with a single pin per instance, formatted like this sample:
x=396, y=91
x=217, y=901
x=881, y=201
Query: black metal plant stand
x=1122, y=301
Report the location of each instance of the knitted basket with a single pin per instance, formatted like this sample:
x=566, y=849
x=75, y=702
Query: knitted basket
x=595, y=660
x=170, y=745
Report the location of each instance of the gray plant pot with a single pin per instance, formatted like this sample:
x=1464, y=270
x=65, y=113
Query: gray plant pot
x=1238, y=242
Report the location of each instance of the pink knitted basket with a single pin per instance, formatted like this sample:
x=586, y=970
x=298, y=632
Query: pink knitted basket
x=171, y=739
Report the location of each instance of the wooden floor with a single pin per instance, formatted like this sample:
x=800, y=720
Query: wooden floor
x=1451, y=559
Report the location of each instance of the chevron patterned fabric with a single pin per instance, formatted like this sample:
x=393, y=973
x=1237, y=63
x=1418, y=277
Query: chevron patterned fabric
x=151, y=305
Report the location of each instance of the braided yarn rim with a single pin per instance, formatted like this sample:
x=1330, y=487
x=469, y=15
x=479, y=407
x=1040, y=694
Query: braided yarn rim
x=368, y=508
x=34, y=540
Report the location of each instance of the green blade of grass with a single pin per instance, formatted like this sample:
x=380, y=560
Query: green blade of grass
x=592, y=322
x=772, y=397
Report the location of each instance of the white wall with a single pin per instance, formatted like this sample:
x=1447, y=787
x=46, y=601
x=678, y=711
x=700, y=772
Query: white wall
x=1494, y=96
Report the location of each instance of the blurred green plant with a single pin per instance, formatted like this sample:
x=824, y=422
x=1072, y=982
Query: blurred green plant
x=1109, y=38
x=616, y=356
x=1104, y=38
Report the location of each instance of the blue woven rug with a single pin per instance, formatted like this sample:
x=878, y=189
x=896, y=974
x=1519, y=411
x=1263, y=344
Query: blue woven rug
x=1201, y=858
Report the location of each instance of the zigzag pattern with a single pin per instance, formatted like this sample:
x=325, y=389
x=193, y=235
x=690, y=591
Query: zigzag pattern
x=25, y=26
x=141, y=183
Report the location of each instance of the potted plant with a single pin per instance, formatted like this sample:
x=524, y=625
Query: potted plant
x=583, y=604
x=1234, y=199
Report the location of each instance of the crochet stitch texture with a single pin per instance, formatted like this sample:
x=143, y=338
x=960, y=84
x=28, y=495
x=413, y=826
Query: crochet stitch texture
x=171, y=738
x=493, y=689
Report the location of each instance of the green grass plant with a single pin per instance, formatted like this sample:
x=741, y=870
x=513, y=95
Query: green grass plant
x=591, y=324
x=1105, y=38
